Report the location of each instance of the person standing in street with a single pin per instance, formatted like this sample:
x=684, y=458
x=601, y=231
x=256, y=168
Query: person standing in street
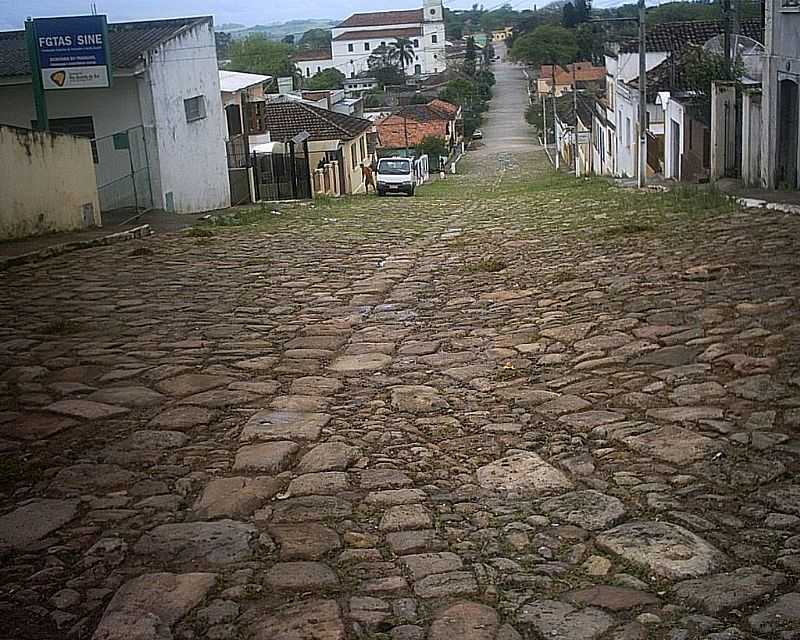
x=366, y=174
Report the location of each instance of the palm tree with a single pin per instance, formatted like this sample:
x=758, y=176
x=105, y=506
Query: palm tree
x=402, y=52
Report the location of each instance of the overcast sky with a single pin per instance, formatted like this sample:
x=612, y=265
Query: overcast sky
x=247, y=12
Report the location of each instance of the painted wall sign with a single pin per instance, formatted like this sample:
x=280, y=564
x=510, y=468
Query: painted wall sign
x=73, y=52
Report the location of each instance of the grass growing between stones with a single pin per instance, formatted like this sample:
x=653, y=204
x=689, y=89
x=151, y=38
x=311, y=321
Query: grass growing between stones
x=486, y=265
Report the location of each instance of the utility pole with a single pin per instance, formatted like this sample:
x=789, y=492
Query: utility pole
x=544, y=122
x=555, y=119
x=39, y=99
x=642, y=99
x=575, y=109
x=726, y=36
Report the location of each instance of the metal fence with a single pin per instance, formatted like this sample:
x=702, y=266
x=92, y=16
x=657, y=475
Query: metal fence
x=123, y=171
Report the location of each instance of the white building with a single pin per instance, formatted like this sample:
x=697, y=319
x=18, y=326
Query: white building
x=780, y=104
x=355, y=40
x=158, y=132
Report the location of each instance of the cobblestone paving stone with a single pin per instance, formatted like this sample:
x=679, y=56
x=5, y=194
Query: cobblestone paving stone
x=336, y=427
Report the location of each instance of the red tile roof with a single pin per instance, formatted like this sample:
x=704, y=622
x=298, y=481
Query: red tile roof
x=676, y=36
x=409, y=32
x=416, y=122
x=584, y=72
x=394, y=131
x=312, y=55
x=285, y=119
x=382, y=18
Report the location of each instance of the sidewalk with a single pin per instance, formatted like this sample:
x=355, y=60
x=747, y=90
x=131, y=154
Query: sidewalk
x=784, y=201
x=115, y=229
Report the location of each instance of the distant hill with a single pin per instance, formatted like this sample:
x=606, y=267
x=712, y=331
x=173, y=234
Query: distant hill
x=277, y=31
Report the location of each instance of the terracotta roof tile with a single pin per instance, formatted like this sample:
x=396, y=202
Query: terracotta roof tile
x=285, y=119
x=675, y=36
x=382, y=18
x=311, y=55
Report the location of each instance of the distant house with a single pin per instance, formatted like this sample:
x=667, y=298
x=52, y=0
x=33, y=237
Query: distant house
x=501, y=35
x=584, y=73
x=335, y=100
x=333, y=137
x=312, y=62
x=410, y=125
x=158, y=133
x=238, y=91
x=574, y=131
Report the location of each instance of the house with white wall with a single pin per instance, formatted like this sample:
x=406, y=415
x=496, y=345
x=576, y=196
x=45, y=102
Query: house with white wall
x=354, y=40
x=780, y=102
x=158, y=132
x=662, y=42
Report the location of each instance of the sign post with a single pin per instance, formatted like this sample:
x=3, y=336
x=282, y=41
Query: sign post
x=36, y=77
x=67, y=53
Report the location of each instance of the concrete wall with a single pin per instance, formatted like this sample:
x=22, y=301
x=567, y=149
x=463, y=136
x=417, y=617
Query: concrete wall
x=192, y=157
x=751, y=138
x=47, y=183
x=112, y=110
x=673, y=135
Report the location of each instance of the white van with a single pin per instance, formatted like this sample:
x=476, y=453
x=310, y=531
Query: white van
x=396, y=175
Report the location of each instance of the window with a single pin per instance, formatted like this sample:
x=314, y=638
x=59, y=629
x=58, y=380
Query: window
x=383, y=43
x=434, y=38
x=308, y=72
x=319, y=69
x=350, y=47
x=790, y=5
x=416, y=43
x=691, y=134
x=83, y=127
x=628, y=131
x=195, y=108
x=366, y=46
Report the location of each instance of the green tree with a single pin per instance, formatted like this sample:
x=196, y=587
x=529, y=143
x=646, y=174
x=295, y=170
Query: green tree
x=700, y=69
x=590, y=41
x=401, y=52
x=464, y=93
x=288, y=39
x=223, y=41
x=383, y=67
x=258, y=54
x=569, y=17
x=546, y=44
x=433, y=146
x=583, y=11
x=470, y=57
x=316, y=39
x=326, y=79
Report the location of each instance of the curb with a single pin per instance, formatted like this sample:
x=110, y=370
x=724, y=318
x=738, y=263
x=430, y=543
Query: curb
x=67, y=247
x=756, y=203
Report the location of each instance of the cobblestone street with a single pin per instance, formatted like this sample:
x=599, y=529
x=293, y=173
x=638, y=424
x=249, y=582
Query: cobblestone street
x=519, y=405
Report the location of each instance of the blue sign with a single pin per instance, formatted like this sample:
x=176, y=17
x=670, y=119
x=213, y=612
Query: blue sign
x=73, y=52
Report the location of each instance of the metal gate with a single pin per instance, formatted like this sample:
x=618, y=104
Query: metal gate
x=238, y=170
x=282, y=176
x=732, y=143
x=123, y=171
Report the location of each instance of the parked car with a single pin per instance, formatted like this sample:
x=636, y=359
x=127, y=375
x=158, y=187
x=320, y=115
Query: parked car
x=477, y=135
x=396, y=175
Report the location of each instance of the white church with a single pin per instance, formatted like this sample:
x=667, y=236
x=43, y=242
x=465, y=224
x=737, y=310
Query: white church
x=354, y=40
